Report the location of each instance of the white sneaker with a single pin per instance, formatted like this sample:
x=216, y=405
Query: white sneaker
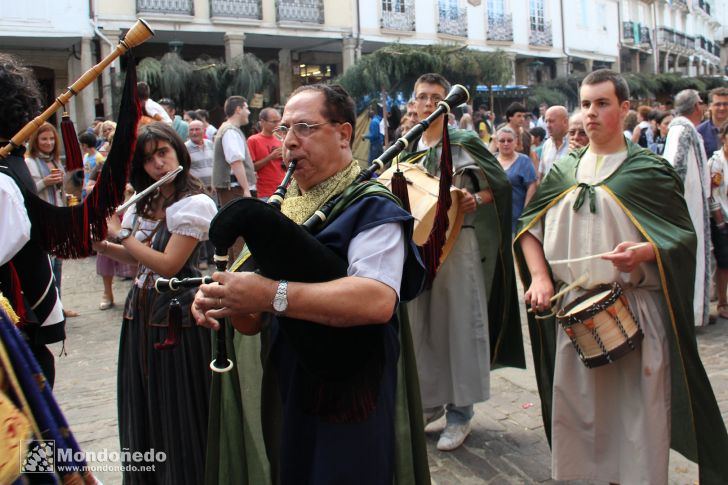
x=435, y=415
x=453, y=436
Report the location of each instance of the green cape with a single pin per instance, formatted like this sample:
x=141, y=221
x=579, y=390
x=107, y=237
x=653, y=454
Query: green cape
x=698, y=431
x=240, y=403
x=493, y=231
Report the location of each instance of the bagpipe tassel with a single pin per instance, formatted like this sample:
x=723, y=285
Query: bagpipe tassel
x=399, y=188
x=174, y=325
x=67, y=232
x=431, y=251
x=74, y=160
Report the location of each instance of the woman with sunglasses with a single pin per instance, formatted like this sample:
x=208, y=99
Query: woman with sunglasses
x=519, y=169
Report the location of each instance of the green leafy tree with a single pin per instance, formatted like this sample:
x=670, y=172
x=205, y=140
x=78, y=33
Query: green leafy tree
x=205, y=82
x=397, y=67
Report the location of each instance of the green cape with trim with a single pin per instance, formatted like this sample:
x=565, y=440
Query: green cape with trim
x=493, y=232
x=236, y=449
x=661, y=215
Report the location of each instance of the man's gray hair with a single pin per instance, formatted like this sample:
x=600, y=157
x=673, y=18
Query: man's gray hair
x=685, y=101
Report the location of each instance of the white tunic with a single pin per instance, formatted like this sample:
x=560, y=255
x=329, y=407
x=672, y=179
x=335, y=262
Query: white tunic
x=609, y=423
x=450, y=321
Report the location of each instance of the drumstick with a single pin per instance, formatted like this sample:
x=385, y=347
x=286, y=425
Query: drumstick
x=581, y=279
x=595, y=256
x=144, y=192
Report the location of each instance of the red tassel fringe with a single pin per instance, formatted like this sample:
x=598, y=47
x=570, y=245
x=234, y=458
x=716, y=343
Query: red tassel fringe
x=74, y=159
x=67, y=232
x=431, y=251
x=399, y=189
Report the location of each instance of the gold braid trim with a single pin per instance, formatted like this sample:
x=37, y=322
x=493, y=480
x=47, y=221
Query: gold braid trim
x=8, y=308
x=299, y=206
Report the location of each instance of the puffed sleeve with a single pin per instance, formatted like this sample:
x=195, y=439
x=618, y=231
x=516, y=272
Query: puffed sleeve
x=127, y=220
x=14, y=224
x=191, y=216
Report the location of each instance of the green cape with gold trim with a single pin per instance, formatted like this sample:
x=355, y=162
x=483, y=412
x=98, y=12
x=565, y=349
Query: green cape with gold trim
x=698, y=430
x=493, y=232
x=240, y=402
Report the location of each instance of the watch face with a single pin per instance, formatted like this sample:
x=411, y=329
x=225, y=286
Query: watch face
x=279, y=303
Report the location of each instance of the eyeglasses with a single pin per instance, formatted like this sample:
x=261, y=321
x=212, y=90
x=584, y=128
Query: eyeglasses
x=577, y=132
x=422, y=98
x=506, y=140
x=301, y=130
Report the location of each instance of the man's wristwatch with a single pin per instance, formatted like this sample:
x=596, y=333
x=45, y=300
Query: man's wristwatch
x=478, y=198
x=123, y=234
x=280, y=301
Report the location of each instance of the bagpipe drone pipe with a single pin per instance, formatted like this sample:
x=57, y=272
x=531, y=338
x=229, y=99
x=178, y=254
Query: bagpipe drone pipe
x=347, y=390
x=67, y=232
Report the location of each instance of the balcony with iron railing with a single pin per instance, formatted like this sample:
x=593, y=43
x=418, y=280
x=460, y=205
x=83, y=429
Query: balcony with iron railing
x=682, y=4
x=540, y=33
x=628, y=31
x=402, y=19
x=236, y=9
x=167, y=7
x=645, y=36
x=500, y=28
x=453, y=21
x=308, y=11
x=672, y=39
x=704, y=6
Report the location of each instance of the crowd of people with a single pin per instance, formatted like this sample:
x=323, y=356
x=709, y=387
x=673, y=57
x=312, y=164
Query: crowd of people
x=343, y=392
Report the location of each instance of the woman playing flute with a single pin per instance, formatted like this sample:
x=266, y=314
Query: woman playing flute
x=162, y=394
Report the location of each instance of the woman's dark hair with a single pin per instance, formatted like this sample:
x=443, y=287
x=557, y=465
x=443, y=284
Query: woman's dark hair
x=20, y=93
x=192, y=114
x=539, y=132
x=661, y=115
x=148, y=138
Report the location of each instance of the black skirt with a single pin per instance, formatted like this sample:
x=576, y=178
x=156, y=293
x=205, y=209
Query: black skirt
x=163, y=398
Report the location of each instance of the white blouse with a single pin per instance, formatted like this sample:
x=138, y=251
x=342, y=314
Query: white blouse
x=190, y=216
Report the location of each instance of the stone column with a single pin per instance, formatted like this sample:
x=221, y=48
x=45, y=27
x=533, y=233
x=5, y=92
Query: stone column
x=233, y=46
x=349, y=52
x=84, y=101
x=636, y=61
x=589, y=65
x=285, y=74
x=693, y=67
x=562, y=67
x=108, y=77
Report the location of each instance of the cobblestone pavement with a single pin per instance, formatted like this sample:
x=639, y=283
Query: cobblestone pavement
x=507, y=444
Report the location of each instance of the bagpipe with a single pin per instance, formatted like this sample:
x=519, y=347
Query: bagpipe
x=67, y=232
x=281, y=249
x=27, y=406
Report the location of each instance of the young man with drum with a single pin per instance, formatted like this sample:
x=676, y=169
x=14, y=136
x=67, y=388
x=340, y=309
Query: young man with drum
x=616, y=420
x=469, y=317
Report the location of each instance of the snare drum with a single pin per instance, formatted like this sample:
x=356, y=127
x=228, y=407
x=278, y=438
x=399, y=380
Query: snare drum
x=423, y=190
x=600, y=325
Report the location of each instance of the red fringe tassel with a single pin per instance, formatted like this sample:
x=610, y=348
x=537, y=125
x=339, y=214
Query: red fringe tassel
x=431, y=251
